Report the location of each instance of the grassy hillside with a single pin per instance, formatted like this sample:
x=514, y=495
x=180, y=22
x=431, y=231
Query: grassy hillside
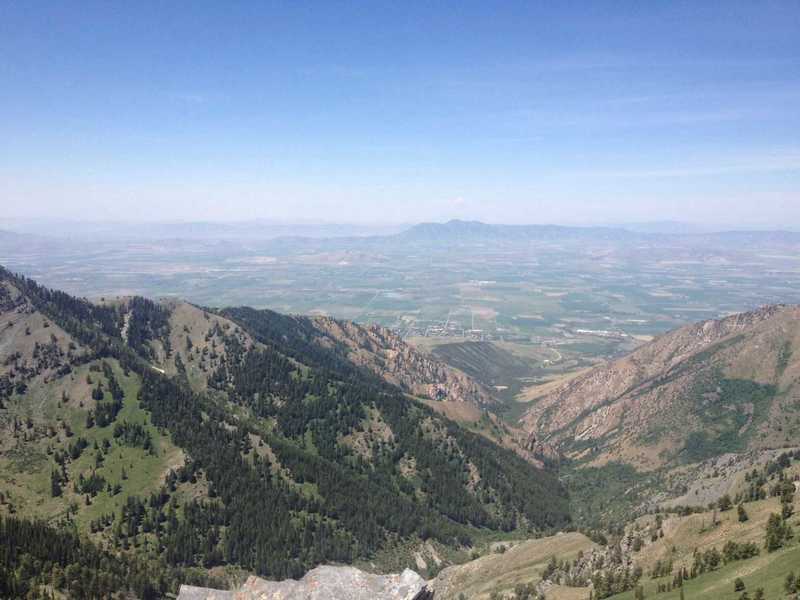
x=710, y=547
x=509, y=565
x=680, y=539
x=53, y=408
x=766, y=572
x=27, y=457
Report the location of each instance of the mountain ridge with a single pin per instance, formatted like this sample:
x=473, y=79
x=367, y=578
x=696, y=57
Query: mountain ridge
x=743, y=363
x=457, y=230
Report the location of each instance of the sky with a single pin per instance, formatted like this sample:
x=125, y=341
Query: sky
x=363, y=112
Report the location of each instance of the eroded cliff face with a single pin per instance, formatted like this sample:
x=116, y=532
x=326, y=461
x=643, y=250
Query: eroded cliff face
x=322, y=583
x=451, y=391
x=387, y=355
x=642, y=408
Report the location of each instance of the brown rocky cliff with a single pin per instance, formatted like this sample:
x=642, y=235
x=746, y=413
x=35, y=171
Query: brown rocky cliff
x=384, y=353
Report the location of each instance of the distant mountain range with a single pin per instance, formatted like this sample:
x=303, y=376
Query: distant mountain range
x=365, y=234
x=477, y=231
x=670, y=227
x=257, y=229
x=456, y=230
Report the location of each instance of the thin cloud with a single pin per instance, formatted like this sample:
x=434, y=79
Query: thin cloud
x=762, y=164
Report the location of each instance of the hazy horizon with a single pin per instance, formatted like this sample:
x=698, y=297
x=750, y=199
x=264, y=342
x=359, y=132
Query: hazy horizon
x=575, y=114
x=33, y=224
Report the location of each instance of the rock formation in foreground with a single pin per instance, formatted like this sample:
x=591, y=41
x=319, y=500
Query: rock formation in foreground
x=322, y=583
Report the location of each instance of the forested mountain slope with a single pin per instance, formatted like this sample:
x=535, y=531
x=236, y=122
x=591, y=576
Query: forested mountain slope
x=196, y=337
x=376, y=349
x=719, y=386
x=384, y=353
x=249, y=443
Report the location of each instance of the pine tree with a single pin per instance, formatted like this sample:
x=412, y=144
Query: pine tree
x=778, y=531
x=55, y=484
x=742, y=514
x=790, y=583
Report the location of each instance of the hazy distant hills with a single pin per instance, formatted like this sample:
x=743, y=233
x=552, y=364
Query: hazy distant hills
x=668, y=227
x=257, y=229
x=456, y=230
x=12, y=237
x=331, y=235
x=479, y=232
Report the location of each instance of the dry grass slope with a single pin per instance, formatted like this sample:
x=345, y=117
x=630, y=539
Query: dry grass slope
x=523, y=562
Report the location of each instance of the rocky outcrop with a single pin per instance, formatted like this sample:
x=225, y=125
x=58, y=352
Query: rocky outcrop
x=542, y=451
x=385, y=353
x=322, y=583
x=615, y=560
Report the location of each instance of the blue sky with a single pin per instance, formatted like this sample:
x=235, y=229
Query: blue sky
x=571, y=112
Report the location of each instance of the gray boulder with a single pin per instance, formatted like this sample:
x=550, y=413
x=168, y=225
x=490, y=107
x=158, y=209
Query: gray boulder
x=322, y=583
